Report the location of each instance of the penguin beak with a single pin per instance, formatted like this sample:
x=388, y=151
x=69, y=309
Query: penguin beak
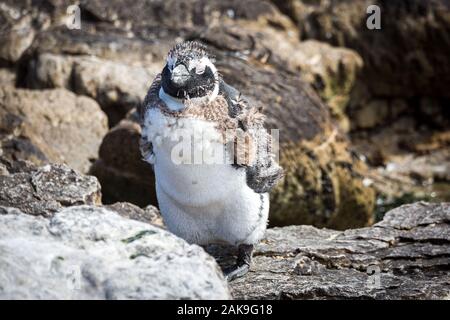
x=180, y=75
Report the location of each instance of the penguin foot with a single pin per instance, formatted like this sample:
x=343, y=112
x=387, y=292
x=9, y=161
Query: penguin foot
x=235, y=272
x=243, y=262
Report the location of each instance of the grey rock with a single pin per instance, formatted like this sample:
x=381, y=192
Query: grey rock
x=180, y=14
x=7, y=77
x=117, y=87
x=50, y=126
x=106, y=42
x=88, y=252
x=20, y=21
x=45, y=190
x=16, y=33
x=123, y=174
x=149, y=214
x=405, y=256
x=402, y=44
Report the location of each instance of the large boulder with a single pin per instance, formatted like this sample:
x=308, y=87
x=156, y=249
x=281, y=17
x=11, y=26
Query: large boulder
x=122, y=172
x=45, y=190
x=50, y=126
x=87, y=252
x=405, y=71
x=401, y=59
x=115, y=86
x=7, y=77
x=400, y=97
x=405, y=256
x=184, y=14
x=18, y=28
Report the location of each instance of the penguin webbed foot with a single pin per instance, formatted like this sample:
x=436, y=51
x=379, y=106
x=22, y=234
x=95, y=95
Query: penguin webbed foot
x=243, y=262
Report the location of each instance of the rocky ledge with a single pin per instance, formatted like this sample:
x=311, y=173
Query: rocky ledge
x=87, y=252
x=72, y=247
x=405, y=256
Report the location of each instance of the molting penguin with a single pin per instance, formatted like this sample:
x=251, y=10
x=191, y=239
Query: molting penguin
x=210, y=153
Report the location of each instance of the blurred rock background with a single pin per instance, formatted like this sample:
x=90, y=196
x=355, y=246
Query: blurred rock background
x=363, y=114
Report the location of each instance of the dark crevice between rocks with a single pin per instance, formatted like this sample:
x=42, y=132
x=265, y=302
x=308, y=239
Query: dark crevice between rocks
x=411, y=240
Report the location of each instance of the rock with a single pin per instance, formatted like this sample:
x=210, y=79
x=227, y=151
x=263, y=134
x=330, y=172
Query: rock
x=123, y=174
x=332, y=71
x=149, y=214
x=45, y=190
x=434, y=112
x=410, y=178
x=16, y=33
x=405, y=70
x=116, y=87
x=7, y=77
x=50, y=126
x=402, y=44
x=433, y=166
x=370, y=115
x=86, y=252
x=405, y=256
x=103, y=41
x=183, y=14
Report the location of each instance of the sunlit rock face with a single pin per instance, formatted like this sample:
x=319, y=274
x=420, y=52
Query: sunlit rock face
x=86, y=252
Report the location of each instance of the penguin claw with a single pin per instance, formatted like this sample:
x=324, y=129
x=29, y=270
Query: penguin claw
x=242, y=265
x=235, y=272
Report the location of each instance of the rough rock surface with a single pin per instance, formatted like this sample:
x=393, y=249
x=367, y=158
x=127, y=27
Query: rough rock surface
x=50, y=126
x=17, y=30
x=45, y=190
x=149, y=214
x=121, y=171
x=332, y=71
x=117, y=87
x=86, y=252
x=7, y=77
x=405, y=256
x=182, y=14
x=401, y=59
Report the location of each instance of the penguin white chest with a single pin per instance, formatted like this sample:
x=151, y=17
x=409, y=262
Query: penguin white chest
x=190, y=162
x=202, y=198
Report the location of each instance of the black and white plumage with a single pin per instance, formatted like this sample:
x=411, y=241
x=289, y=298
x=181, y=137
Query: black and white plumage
x=206, y=201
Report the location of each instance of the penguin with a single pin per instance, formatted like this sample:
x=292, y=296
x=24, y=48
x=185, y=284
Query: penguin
x=211, y=155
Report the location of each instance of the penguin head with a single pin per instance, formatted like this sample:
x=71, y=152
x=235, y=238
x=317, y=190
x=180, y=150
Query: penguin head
x=190, y=72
